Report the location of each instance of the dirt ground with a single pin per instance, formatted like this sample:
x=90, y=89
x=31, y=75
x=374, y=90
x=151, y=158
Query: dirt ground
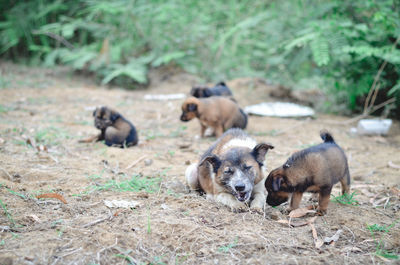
x=51, y=109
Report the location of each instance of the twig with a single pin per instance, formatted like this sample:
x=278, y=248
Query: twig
x=135, y=162
x=374, y=88
x=8, y=174
x=56, y=37
x=98, y=221
x=72, y=252
x=103, y=249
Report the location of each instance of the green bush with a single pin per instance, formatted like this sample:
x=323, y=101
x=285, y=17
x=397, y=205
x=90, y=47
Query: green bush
x=340, y=43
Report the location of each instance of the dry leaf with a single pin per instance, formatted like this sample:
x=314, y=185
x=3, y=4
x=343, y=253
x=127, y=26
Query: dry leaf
x=121, y=204
x=52, y=195
x=41, y=148
x=334, y=238
x=300, y=212
x=31, y=142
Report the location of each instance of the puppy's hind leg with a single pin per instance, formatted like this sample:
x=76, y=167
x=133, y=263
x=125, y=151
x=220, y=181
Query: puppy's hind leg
x=192, y=176
x=345, y=182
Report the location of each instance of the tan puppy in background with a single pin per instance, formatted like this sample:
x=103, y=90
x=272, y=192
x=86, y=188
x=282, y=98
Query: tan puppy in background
x=219, y=113
x=231, y=171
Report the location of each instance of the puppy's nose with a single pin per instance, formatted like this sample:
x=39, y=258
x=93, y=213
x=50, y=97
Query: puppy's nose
x=240, y=187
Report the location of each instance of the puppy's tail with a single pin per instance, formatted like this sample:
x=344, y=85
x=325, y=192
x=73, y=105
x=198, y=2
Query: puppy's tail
x=192, y=176
x=245, y=118
x=327, y=137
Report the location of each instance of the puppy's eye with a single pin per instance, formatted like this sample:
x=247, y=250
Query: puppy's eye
x=245, y=167
x=228, y=170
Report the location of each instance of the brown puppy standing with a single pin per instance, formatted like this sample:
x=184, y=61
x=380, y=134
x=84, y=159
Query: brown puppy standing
x=231, y=171
x=219, y=113
x=315, y=169
x=115, y=129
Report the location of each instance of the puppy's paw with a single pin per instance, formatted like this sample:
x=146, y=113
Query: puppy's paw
x=239, y=207
x=321, y=212
x=257, y=210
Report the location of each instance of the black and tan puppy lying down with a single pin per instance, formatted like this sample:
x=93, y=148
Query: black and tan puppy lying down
x=231, y=171
x=218, y=113
x=315, y=169
x=115, y=129
x=220, y=89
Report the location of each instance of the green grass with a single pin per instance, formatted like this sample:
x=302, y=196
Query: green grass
x=380, y=244
x=135, y=183
x=7, y=213
x=51, y=135
x=22, y=196
x=229, y=246
x=348, y=199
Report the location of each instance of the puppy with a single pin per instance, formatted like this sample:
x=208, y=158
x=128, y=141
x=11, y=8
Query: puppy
x=231, y=171
x=315, y=169
x=219, y=89
x=219, y=113
x=115, y=129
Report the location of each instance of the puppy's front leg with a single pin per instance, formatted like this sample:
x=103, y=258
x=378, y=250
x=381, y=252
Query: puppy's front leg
x=230, y=201
x=203, y=130
x=259, y=197
x=219, y=130
x=92, y=139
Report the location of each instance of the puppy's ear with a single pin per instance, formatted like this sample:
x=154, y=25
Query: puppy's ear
x=192, y=107
x=114, y=116
x=94, y=112
x=276, y=183
x=194, y=92
x=222, y=83
x=214, y=161
x=259, y=152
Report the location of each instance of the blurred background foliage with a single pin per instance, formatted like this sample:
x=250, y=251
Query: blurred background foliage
x=335, y=46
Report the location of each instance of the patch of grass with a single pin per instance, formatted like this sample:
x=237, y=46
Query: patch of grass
x=22, y=196
x=228, y=247
x=51, y=135
x=151, y=135
x=126, y=257
x=178, y=132
x=148, y=223
x=346, y=199
x=135, y=183
x=380, y=245
x=7, y=213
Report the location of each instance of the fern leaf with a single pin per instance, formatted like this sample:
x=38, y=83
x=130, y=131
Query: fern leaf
x=320, y=50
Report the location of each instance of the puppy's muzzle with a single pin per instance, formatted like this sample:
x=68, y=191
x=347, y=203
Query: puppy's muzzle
x=184, y=118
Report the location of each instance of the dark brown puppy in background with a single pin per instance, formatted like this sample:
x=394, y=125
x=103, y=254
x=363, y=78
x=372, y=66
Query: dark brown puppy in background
x=220, y=89
x=115, y=129
x=315, y=169
x=231, y=171
x=219, y=113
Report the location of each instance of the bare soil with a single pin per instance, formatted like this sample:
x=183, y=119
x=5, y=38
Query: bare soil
x=51, y=109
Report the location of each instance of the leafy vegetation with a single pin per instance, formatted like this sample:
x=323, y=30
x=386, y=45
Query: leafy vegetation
x=337, y=46
x=348, y=199
x=380, y=244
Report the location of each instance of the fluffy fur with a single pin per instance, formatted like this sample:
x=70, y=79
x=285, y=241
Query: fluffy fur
x=219, y=113
x=231, y=171
x=115, y=129
x=315, y=169
x=220, y=89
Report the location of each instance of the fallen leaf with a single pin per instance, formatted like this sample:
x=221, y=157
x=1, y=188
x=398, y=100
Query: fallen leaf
x=334, y=238
x=300, y=212
x=52, y=195
x=42, y=148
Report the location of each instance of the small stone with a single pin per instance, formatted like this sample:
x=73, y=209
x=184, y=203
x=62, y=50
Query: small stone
x=148, y=162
